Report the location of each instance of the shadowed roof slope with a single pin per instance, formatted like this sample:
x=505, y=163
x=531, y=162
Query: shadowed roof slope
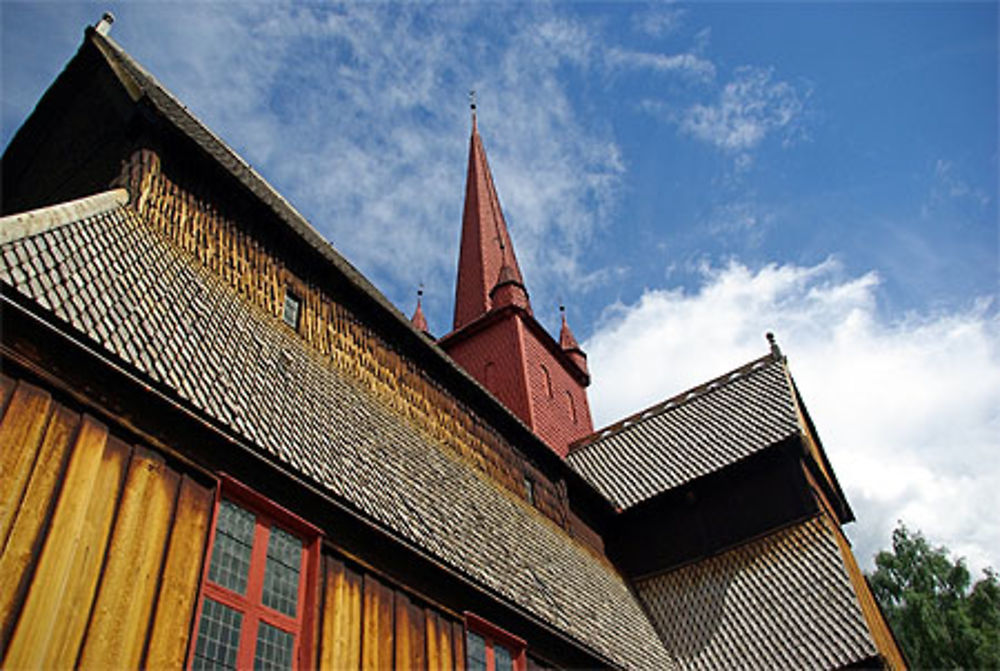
x=781, y=602
x=123, y=286
x=690, y=435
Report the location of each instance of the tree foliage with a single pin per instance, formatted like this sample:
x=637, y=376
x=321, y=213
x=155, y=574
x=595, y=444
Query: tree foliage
x=940, y=619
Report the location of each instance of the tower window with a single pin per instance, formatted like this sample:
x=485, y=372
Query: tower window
x=292, y=310
x=529, y=490
x=571, y=406
x=548, y=380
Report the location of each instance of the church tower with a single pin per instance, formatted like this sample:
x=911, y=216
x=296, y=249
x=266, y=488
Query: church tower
x=495, y=335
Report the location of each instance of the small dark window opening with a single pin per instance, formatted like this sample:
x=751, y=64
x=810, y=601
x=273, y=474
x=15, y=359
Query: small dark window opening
x=529, y=490
x=293, y=308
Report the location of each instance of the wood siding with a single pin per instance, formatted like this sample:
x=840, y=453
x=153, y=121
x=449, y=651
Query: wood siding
x=367, y=624
x=102, y=542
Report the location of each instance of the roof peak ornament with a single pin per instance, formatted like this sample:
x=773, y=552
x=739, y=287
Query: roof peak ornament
x=775, y=350
x=103, y=26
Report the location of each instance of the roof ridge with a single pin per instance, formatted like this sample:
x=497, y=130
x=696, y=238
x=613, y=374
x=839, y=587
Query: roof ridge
x=674, y=401
x=26, y=224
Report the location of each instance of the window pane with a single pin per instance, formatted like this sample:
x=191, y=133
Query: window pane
x=501, y=656
x=231, y=549
x=274, y=648
x=218, y=637
x=475, y=649
x=281, y=577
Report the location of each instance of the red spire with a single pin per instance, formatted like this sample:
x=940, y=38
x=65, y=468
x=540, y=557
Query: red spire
x=485, y=247
x=568, y=344
x=418, y=319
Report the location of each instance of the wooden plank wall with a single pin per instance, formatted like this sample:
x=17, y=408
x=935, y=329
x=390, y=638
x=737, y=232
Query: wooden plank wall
x=102, y=548
x=366, y=624
x=101, y=542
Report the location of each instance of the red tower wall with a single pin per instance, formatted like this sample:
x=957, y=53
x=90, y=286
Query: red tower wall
x=501, y=344
x=516, y=378
x=553, y=420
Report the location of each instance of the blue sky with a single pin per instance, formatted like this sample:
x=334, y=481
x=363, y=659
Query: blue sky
x=683, y=177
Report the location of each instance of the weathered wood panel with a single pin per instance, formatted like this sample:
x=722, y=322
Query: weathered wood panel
x=377, y=631
x=121, y=614
x=458, y=640
x=28, y=527
x=51, y=625
x=340, y=646
x=410, y=645
x=440, y=650
x=21, y=434
x=6, y=389
x=171, y=628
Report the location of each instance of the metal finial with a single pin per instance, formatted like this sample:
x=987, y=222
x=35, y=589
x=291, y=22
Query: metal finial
x=103, y=26
x=472, y=100
x=775, y=350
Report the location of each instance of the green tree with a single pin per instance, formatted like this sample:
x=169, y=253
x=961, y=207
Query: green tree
x=938, y=619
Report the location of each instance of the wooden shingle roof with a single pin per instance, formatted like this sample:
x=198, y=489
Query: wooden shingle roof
x=110, y=278
x=690, y=435
x=784, y=601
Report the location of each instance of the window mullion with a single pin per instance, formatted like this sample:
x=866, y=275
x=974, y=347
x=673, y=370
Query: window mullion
x=255, y=587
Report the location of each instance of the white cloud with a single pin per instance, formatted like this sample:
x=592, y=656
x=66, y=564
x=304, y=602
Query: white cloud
x=908, y=410
x=659, y=21
x=685, y=63
x=749, y=108
x=358, y=114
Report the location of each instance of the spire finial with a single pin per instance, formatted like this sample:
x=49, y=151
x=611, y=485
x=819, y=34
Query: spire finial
x=103, y=26
x=472, y=105
x=775, y=350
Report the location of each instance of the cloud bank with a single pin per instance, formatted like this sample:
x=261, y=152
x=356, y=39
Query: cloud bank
x=908, y=410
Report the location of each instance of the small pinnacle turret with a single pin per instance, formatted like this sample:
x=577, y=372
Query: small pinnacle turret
x=568, y=344
x=418, y=319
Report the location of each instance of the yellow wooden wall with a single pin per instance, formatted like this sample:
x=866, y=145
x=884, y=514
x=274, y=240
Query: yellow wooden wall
x=102, y=542
x=103, y=545
x=366, y=624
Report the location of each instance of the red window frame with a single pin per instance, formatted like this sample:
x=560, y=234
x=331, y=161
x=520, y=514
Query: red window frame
x=494, y=635
x=267, y=515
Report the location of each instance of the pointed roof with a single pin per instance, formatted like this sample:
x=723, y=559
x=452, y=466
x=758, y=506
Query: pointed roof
x=486, y=246
x=418, y=319
x=566, y=339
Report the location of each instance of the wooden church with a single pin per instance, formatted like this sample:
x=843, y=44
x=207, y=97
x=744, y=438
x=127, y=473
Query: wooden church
x=221, y=446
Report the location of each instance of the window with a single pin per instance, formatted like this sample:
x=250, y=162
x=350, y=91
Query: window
x=529, y=490
x=571, y=406
x=258, y=586
x=548, y=380
x=490, y=648
x=293, y=307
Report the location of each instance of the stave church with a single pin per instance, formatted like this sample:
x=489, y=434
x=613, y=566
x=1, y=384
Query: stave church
x=221, y=447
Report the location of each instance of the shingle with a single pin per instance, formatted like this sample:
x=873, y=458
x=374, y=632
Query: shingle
x=319, y=422
x=690, y=435
x=758, y=606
